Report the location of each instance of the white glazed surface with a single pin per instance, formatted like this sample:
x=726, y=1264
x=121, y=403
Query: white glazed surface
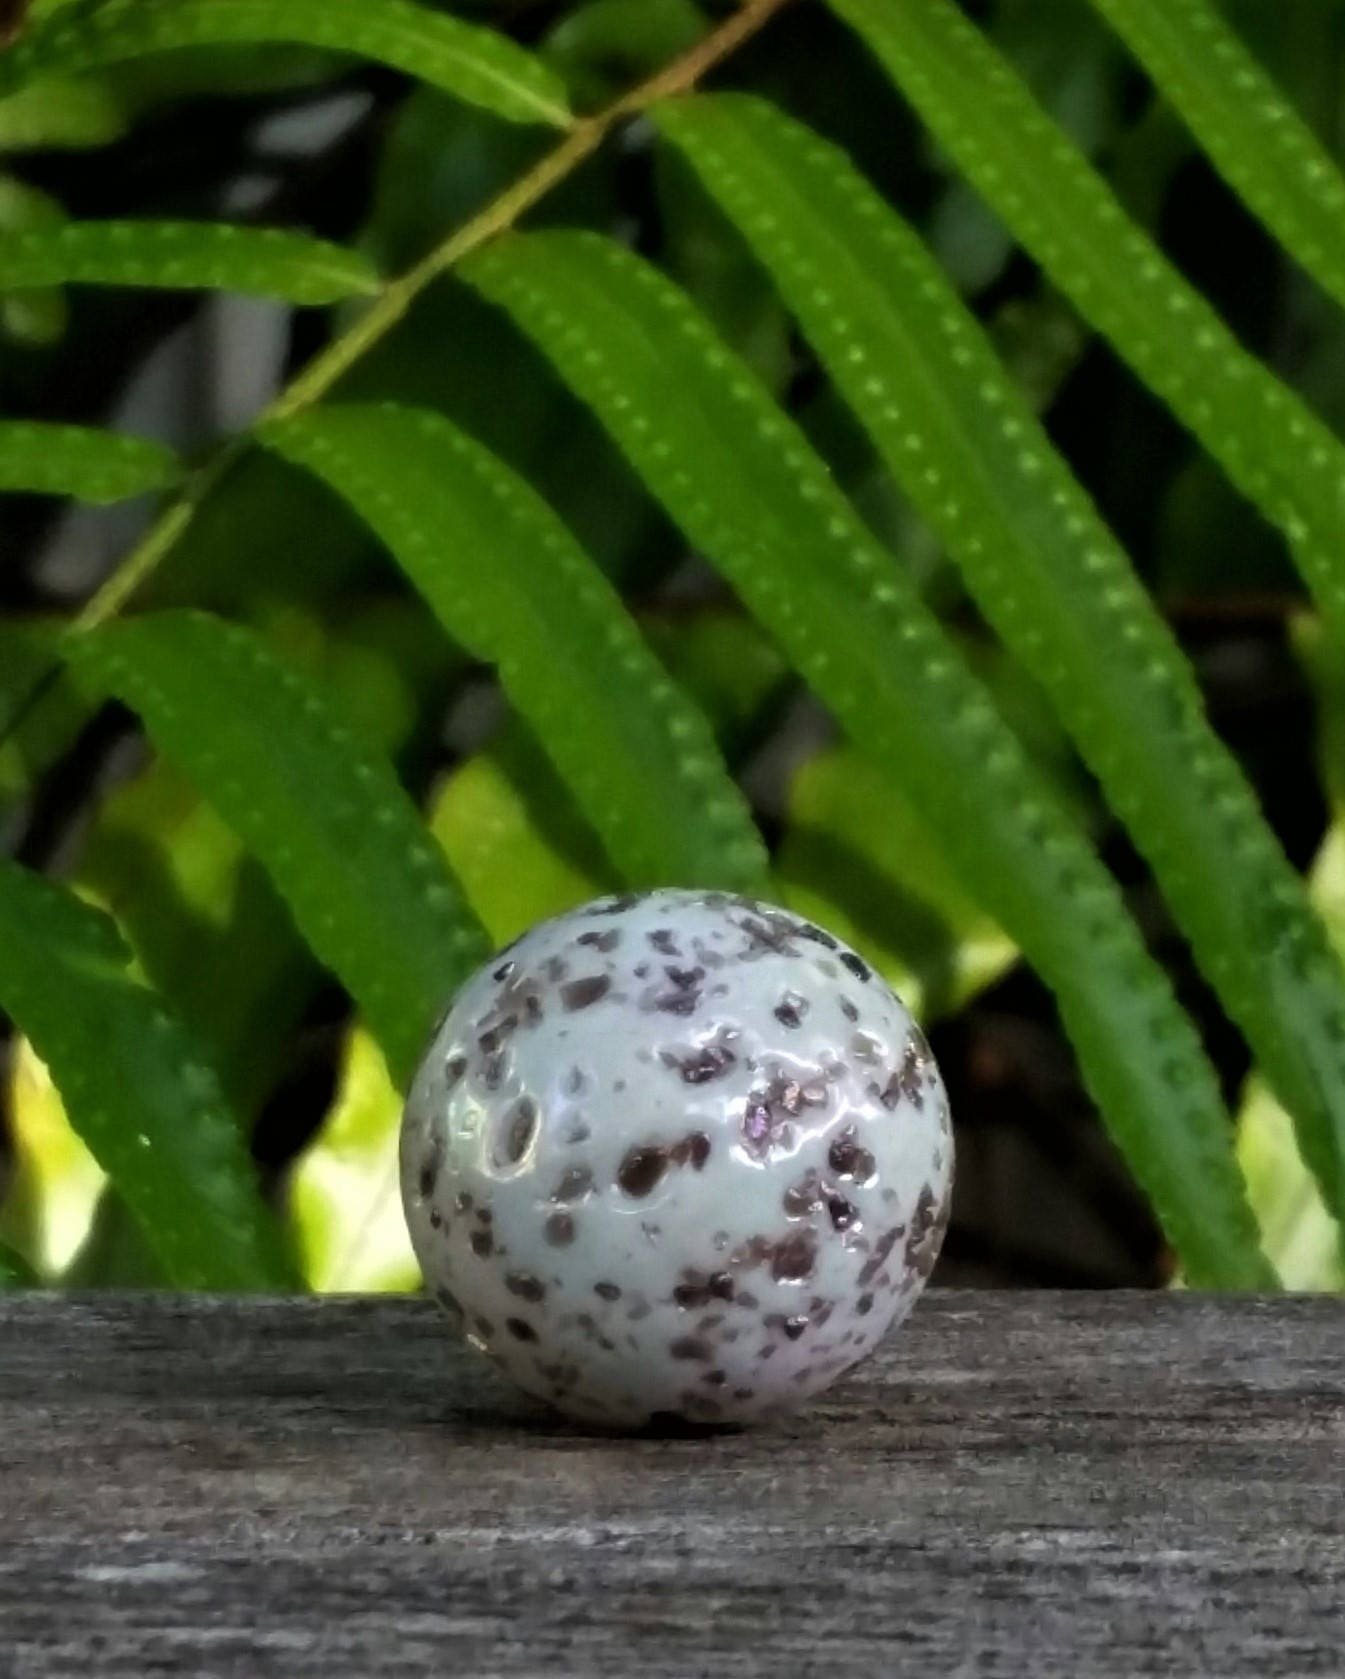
x=678, y=1153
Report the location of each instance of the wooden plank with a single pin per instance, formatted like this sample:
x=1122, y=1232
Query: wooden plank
x=1043, y=1484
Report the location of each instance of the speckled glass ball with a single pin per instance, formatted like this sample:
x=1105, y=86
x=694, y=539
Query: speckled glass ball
x=678, y=1152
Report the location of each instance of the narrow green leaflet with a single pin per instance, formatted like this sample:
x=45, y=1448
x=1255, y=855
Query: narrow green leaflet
x=463, y=59
x=752, y=496
x=148, y=1108
x=321, y=810
x=78, y=461
x=51, y=114
x=1254, y=137
x=511, y=585
x=14, y=1272
x=966, y=447
x=34, y=317
x=1272, y=446
x=266, y=262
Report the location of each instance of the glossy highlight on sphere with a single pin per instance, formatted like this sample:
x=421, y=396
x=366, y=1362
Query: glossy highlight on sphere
x=676, y=1153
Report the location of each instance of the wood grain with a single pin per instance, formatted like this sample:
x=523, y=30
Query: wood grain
x=1021, y=1484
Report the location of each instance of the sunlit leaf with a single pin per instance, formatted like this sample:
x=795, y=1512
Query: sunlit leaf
x=345, y=1192
x=149, y=1110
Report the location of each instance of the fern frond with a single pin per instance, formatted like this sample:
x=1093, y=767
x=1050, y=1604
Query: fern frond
x=513, y=587
x=96, y=466
x=136, y=1092
x=740, y=478
x=1244, y=123
x=321, y=811
x=66, y=114
x=967, y=449
x=263, y=261
x=1272, y=446
x=474, y=64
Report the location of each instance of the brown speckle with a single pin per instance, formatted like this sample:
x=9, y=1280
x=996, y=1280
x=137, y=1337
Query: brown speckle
x=641, y=1170
x=582, y=993
x=574, y=1183
x=843, y=1212
x=878, y=1258
x=694, y=1149
x=484, y=1328
x=864, y=1305
x=807, y=930
x=492, y=1070
x=857, y=966
x=430, y=1166
x=803, y=1197
x=849, y=1010
x=520, y=1129
x=616, y=905
x=711, y=1061
x=483, y=1243
x=464, y=1201
x=559, y=1230
x=715, y=1378
x=520, y=1330
x=928, y=1223
x=606, y=941
x=454, y=1068
x=574, y=1081
x=503, y=972
x=794, y=1327
x=794, y=1258
x=848, y=1160
x=607, y=1291
x=663, y=941
x=790, y=1010
x=525, y=1286
x=691, y=1347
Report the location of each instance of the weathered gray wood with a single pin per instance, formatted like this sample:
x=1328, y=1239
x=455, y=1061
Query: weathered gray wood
x=1074, y=1485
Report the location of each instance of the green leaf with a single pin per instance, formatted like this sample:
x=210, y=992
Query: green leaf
x=857, y=858
x=509, y=582
x=514, y=840
x=33, y=317
x=77, y=461
x=1272, y=446
x=14, y=1271
x=750, y=494
x=320, y=809
x=54, y=1184
x=1254, y=137
x=968, y=450
x=149, y=1110
x=1298, y=1231
x=475, y=64
x=345, y=1201
x=262, y=261
x=66, y=114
